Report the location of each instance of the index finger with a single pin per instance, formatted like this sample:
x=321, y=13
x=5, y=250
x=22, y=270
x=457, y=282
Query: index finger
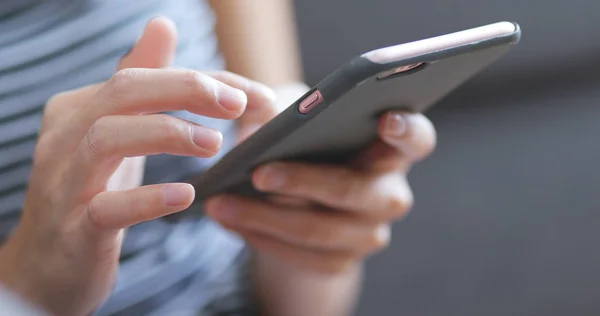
x=261, y=105
x=145, y=91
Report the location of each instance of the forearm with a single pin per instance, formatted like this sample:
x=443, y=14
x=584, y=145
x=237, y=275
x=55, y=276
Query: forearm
x=285, y=290
x=258, y=39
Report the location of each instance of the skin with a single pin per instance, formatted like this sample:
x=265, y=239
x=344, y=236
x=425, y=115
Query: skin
x=310, y=245
x=258, y=39
x=84, y=189
x=64, y=254
x=294, y=273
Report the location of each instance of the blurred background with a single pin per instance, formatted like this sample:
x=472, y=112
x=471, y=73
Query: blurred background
x=507, y=213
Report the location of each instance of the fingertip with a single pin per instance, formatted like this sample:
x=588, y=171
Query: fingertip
x=270, y=177
x=257, y=177
x=155, y=48
x=178, y=194
x=160, y=27
x=210, y=140
x=163, y=24
x=425, y=139
x=231, y=99
x=260, y=178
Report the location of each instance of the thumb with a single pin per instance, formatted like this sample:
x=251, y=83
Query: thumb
x=155, y=48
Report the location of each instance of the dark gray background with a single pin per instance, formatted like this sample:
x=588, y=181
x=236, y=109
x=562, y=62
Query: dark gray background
x=507, y=214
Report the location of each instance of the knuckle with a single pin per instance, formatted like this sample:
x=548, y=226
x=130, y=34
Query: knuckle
x=398, y=205
x=124, y=77
x=54, y=102
x=347, y=187
x=139, y=214
x=316, y=230
x=233, y=78
x=310, y=232
x=95, y=214
x=53, y=108
x=43, y=149
x=120, y=82
x=199, y=85
x=98, y=140
x=172, y=129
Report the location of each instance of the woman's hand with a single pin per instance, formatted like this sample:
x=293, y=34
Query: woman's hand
x=328, y=218
x=84, y=189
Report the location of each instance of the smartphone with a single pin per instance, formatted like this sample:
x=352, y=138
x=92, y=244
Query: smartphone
x=338, y=117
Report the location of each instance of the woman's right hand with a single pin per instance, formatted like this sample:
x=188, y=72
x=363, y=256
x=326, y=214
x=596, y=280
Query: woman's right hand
x=83, y=191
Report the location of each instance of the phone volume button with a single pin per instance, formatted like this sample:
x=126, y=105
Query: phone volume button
x=310, y=102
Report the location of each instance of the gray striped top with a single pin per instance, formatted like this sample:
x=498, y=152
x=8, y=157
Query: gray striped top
x=49, y=46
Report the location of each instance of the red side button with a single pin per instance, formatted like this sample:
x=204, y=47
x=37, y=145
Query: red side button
x=310, y=102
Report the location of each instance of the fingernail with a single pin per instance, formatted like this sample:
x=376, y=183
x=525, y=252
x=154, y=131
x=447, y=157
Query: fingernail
x=395, y=125
x=207, y=138
x=222, y=208
x=175, y=195
x=230, y=98
x=271, y=177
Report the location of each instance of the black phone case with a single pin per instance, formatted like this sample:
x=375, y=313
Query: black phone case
x=345, y=122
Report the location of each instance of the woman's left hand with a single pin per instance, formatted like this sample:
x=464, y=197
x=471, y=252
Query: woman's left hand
x=329, y=218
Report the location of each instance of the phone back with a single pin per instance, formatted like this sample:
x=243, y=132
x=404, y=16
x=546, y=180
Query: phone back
x=345, y=122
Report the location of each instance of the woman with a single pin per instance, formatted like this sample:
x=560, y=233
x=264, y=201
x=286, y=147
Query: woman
x=69, y=254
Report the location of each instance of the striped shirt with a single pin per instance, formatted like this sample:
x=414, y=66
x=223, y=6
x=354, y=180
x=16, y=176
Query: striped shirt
x=47, y=46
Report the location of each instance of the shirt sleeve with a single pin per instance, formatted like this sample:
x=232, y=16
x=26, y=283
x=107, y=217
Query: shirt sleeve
x=11, y=304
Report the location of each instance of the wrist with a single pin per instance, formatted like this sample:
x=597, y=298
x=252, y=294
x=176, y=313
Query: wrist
x=271, y=263
x=13, y=274
x=285, y=288
x=32, y=277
